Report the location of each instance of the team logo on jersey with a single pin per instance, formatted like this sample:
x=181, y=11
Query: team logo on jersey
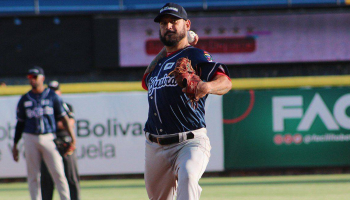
x=169, y=66
x=208, y=56
x=165, y=81
x=28, y=104
x=48, y=110
x=35, y=112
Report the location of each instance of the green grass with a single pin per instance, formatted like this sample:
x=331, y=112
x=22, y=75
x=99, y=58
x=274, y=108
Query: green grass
x=310, y=187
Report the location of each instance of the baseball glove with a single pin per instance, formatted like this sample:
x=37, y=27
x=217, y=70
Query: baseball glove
x=186, y=77
x=63, y=144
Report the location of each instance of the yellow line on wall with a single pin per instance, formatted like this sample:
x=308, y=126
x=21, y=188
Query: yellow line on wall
x=291, y=82
x=237, y=84
x=79, y=87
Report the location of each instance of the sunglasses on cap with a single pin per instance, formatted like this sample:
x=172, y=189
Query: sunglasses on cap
x=31, y=76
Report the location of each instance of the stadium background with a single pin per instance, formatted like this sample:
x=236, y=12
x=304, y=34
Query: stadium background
x=80, y=44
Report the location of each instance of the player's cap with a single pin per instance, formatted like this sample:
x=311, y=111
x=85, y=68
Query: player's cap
x=54, y=85
x=36, y=70
x=172, y=9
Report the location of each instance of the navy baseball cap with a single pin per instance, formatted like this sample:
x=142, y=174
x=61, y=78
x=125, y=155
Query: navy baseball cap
x=36, y=70
x=54, y=85
x=172, y=9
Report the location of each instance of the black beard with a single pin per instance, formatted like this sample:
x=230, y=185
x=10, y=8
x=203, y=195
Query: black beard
x=172, y=42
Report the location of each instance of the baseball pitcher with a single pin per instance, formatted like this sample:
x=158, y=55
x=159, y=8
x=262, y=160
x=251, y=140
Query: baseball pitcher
x=177, y=145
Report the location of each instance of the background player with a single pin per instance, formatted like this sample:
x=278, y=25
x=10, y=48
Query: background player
x=37, y=111
x=69, y=160
x=177, y=146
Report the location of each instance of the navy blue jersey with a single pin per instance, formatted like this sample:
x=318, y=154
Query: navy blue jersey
x=40, y=111
x=170, y=110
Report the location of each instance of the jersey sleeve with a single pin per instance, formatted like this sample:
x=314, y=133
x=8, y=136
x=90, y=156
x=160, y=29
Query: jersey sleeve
x=221, y=72
x=58, y=108
x=144, y=84
x=209, y=69
x=20, y=111
x=205, y=66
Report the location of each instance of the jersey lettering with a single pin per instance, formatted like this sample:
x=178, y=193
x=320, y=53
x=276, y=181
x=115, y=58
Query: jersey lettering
x=48, y=110
x=165, y=81
x=36, y=112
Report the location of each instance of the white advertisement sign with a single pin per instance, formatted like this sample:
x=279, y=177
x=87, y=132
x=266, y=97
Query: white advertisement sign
x=247, y=39
x=109, y=129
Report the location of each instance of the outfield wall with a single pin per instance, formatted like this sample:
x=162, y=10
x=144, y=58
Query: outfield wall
x=261, y=123
x=307, y=127
x=109, y=129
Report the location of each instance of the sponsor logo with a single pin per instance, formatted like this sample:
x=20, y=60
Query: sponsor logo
x=332, y=117
x=289, y=139
x=278, y=139
x=326, y=138
x=298, y=138
x=112, y=128
x=168, y=66
x=96, y=150
x=168, y=8
x=165, y=81
x=291, y=108
x=218, y=45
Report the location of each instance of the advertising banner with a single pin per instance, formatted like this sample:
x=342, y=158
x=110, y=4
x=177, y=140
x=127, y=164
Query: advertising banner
x=109, y=129
x=287, y=128
x=247, y=39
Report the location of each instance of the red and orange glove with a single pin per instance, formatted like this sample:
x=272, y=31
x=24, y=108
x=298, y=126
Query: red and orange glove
x=186, y=77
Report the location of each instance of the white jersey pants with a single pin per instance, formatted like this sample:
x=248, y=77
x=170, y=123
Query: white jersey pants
x=38, y=147
x=175, y=169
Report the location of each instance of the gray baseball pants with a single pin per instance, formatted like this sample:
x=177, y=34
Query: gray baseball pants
x=42, y=147
x=175, y=169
